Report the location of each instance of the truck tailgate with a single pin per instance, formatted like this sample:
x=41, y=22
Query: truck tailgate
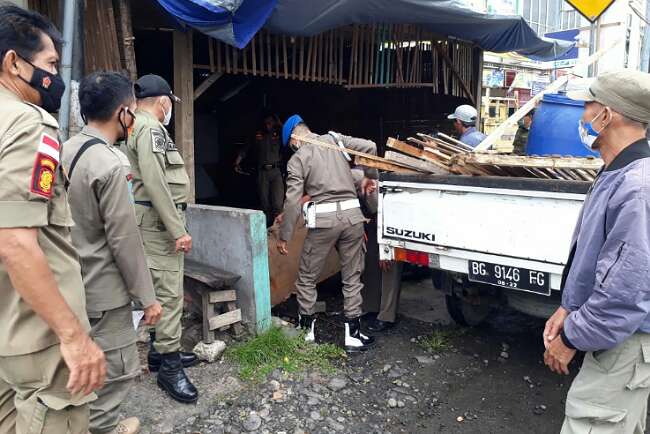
x=529, y=220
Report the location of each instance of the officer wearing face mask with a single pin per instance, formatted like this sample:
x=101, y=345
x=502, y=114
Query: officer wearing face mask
x=161, y=190
x=107, y=239
x=49, y=366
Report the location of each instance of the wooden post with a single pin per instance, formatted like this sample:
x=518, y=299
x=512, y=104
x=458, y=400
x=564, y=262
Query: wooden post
x=184, y=111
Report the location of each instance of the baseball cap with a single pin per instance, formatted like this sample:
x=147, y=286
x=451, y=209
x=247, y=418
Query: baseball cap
x=464, y=113
x=153, y=85
x=626, y=91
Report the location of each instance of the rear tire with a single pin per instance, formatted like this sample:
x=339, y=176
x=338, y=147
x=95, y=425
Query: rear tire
x=466, y=314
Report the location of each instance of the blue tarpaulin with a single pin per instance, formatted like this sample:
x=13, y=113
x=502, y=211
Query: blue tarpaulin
x=236, y=21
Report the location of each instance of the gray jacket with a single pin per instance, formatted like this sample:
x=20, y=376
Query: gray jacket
x=324, y=175
x=607, y=282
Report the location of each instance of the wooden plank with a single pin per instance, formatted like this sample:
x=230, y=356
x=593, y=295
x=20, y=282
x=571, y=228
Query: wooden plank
x=218, y=50
x=294, y=48
x=211, y=54
x=223, y=296
x=184, y=112
x=205, y=84
x=254, y=55
x=284, y=55
x=225, y=319
x=209, y=276
x=538, y=162
x=302, y=57
x=261, y=47
x=383, y=165
x=339, y=149
x=268, y=53
x=414, y=152
x=127, y=38
x=454, y=71
x=454, y=141
x=277, y=55
x=244, y=53
x=415, y=163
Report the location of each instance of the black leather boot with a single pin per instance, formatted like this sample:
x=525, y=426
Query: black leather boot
x=154, y=358
x=172, y=379
x=355, y=341
x=308, y=323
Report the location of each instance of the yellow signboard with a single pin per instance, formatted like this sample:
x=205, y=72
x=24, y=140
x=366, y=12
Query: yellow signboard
x=591, y=9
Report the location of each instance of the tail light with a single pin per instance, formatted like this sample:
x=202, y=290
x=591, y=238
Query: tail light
x=411, y=256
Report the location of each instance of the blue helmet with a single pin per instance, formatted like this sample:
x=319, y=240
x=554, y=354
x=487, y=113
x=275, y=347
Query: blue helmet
x=288, y=127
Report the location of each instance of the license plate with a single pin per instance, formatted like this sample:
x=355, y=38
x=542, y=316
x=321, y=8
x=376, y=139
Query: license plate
x=505, y=276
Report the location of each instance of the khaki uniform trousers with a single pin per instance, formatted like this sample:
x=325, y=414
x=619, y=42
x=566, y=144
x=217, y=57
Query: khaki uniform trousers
x=348, y=241
x=610, y=393
x=271, y=190
x=166, y=267
x=113, y=331
x=391, y=288
x=34, y=399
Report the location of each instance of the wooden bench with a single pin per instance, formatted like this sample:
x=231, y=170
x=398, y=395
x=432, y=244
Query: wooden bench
x=213, y=297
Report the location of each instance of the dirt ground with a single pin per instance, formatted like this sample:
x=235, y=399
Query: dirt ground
x=489, y=380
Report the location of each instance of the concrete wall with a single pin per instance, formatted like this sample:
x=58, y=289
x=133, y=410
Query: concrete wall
x=235, y=240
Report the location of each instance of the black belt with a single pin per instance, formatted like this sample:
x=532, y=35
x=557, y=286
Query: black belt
x=182, y=206
x=270, y=166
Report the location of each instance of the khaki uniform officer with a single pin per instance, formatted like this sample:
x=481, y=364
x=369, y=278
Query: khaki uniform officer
x=325, y=176
x=108, y=241
x=270, y=184
x=161, y=189
x=48, y=364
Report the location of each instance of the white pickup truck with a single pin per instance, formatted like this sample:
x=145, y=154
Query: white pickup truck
x=490, y=240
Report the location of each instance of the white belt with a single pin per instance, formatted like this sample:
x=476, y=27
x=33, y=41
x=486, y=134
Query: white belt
x=322, y=208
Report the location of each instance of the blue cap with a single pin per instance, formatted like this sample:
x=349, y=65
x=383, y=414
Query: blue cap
x=288, y=127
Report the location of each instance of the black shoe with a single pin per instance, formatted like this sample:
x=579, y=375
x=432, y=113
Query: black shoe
x=154, y=358
x=172, y=379
x=308, y=324
x=356, y=341
x=380, y=326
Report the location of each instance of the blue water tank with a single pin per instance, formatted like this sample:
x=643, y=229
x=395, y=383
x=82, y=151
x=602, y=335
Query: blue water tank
x=555, y=128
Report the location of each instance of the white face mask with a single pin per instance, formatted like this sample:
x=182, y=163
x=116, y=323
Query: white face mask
x=588, y=134
x=168, y=117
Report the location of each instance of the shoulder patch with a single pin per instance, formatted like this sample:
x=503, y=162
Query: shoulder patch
x=47, y=161
x=158, y=141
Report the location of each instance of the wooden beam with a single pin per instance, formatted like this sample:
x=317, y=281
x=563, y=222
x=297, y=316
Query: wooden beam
x=454, y=71
x=205, y=84
x=223, y=296
x=225, y=319
x=414, y=152
x=536, y=162
x=383, y=165
x=184, y=112
x=126, y=31
x=415, y=163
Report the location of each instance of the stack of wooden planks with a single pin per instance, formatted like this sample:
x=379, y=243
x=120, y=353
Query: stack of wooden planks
x=444, y=155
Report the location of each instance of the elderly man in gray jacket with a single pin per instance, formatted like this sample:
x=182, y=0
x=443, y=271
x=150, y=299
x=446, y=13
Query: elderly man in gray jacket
x=606, y=298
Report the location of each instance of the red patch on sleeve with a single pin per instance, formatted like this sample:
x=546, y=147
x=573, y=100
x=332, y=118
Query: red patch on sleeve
x=44, y=175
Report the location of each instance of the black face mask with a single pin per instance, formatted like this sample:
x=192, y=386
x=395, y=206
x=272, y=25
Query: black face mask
x=49, y=86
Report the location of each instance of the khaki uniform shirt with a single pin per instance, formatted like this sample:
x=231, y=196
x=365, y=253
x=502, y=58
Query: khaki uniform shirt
x=106, y=234
x=267, y=147
x=325, y=175
x=158, y=169
x=32, y=195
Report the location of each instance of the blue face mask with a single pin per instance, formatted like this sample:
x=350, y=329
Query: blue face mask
x=588, y=134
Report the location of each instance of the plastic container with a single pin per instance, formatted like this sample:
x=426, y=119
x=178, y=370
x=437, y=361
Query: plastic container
x=555, y=128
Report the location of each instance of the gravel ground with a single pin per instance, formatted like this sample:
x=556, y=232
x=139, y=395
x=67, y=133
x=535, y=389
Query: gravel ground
x=489, y=380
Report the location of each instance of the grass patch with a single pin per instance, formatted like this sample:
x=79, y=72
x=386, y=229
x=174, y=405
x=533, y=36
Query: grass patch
x=439, y=340
x=272, y=350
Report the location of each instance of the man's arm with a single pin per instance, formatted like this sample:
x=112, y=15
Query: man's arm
x=31, y=276
x=153, y=177
x=295, y=186
x=123, y=235
x=620, y=302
